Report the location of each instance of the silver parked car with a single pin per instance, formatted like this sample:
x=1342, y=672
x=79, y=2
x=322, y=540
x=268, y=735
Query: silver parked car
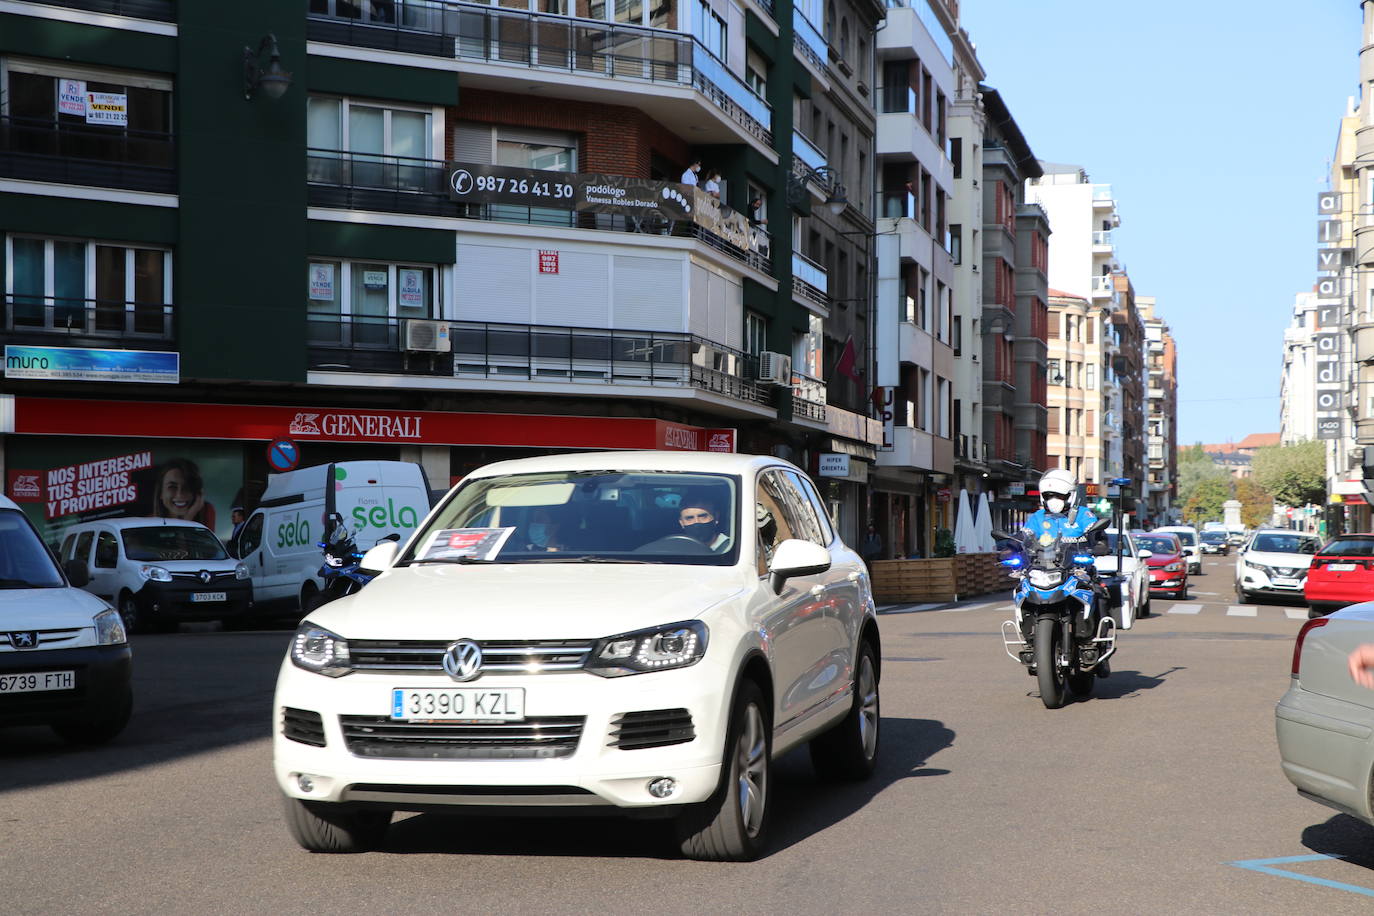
x=1325, y=720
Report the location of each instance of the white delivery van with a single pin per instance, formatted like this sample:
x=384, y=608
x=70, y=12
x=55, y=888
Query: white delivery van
x=279, y=542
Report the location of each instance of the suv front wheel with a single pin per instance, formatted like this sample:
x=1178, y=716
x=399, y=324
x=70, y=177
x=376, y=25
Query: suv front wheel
x=849, y=751
x=326, y=827
x=733, y=824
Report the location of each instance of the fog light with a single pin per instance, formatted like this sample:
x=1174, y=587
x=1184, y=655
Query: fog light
x=662, y=786
x=305, y=783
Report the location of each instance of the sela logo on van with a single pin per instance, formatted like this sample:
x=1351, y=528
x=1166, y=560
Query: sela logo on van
x=25, y=487
x=355, y=426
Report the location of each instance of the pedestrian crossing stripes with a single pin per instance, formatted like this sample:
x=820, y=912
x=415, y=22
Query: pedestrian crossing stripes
x=1186, y=609
x=1239, y=610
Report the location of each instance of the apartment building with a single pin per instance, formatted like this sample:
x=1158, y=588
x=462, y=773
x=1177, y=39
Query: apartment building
x=1077, y=354
x=1129, y=368
x=1161, y=366
x=1298, y=382
x=915, y=305
x=1015, y=316
x=434, y=231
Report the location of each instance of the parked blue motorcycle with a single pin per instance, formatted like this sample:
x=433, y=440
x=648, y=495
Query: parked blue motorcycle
x=1063, y=631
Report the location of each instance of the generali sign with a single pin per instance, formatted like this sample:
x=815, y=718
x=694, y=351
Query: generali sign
x=239, y=422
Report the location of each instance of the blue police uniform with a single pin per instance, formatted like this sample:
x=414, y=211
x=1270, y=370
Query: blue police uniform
x=1043, y=522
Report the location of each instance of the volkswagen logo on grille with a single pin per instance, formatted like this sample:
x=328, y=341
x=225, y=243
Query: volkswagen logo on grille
x=27, y=640
x=463, y=660
x=206, y=576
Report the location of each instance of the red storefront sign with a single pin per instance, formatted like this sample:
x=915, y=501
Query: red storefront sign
x=230, y=422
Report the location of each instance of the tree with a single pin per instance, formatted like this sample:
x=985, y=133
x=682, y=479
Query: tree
x=1204, y=503
x=1196, y=466
x=1294, y=475
x=1193, y=455
x=1256, y=505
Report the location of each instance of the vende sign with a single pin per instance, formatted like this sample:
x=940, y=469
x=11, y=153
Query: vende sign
x=238, y=422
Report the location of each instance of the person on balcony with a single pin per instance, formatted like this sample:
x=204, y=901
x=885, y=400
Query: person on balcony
x=689, y=177
x=712, y=185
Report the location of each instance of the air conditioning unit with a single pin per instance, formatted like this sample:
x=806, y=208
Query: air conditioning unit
x=775, y=368
x=426, y=337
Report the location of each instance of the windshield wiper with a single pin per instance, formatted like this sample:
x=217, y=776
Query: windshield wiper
x=461, y=561
x=582, y=559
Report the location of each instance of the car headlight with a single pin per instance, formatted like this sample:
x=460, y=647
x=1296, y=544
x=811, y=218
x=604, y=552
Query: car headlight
x=109, y=629
x=1046, y=578
x=155, y=573
x=675, y=645
x=318, y=650
x=241, y=571
x=1173, y=567
x=1258, y=567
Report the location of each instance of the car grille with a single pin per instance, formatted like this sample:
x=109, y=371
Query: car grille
x=652, y=728
x=1288, y=571
x=530, y=739
x=302, y=725
x=195, y=577
x=45, y=638
x=498, y=656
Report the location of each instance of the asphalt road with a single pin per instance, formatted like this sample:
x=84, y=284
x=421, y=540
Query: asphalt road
x=1140, y=800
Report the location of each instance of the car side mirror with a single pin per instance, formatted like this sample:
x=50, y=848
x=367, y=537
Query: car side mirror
x=393, y=536
x=1146, y=554
x=380, y=557
x=77, y=574
x=796, y=558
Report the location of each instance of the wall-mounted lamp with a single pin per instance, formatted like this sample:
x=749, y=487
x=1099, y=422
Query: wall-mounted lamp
x=835, y=200
x=274, y=79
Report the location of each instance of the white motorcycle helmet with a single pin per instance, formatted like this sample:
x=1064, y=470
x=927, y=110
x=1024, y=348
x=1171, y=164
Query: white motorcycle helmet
x=1058, y=491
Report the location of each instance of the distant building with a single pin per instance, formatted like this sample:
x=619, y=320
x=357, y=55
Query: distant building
x=1236, y=456
x=1298, y=388
x=1161, y=364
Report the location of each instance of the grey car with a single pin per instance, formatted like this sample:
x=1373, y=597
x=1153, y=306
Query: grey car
x=1325, y=722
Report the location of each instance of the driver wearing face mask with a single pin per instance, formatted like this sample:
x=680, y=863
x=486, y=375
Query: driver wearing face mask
x=1059, y=514
x=699, y=520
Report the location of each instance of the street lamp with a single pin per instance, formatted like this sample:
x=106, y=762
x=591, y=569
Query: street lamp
x=835, y=200
x=273, y=80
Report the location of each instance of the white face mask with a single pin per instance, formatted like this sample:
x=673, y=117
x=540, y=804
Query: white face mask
x=1055, y=505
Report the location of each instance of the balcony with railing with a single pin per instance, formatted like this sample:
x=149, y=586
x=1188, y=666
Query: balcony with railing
x=807, y=159
x=809, y=280
x=555, y=43
x=583, y=357
x=811, y=46
x=808, y=397
x=33, y=149
x=1103, y=287
x=1102, y=242
x=158, y=10
x=398, y=184
x=57, y=321
x=1102, y=197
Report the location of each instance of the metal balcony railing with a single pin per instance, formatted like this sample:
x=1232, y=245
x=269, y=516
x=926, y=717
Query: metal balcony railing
x=809, y=279
x=1103, y=285
x=547, y=353
x=1102, y=238
x=399, y=184
x=82, y=318
x=159, y=10
x=807, y=152
x=808, y=40
x=556, y=43
x=808, y=397
x=111, y=157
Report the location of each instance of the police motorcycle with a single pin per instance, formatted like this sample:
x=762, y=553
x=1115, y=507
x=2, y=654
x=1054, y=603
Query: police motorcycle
x=1063, y=631
x=342, y=570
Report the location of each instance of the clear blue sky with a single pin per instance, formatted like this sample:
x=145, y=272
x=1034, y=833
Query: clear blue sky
x=1215, y=122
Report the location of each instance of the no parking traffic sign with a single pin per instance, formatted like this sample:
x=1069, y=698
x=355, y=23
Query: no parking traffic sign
x=283, y=455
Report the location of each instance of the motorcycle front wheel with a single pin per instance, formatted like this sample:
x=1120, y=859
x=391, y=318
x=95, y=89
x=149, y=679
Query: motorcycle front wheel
x=1053, y=683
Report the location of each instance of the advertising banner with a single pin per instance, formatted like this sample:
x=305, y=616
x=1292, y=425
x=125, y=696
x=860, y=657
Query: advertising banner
x=322, y=282
x=110, y=109
x=494, y=184
x=59, y=483
x=411, y=294
x=89, y=365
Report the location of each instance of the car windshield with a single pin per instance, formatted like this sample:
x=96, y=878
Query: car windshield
x=586, y=516
x=1285, y=543
x=1158, y=543
x=24, y=561
x=1185, y=538
x=172, y=542
x=1213, y=537
x=1349, y=547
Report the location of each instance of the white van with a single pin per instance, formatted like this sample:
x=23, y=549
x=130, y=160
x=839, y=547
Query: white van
x=279, y=543
x=159, y=571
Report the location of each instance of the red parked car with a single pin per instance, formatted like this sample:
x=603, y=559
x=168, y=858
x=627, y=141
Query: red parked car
x=1342, y=573
x=1167, y=563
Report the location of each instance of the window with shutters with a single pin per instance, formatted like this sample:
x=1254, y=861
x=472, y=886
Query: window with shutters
x=1053, y=419
x=1092, y=331
x=1055, y=319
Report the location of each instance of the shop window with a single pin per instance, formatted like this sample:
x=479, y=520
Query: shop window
x=79, y=112
x=367, y=145
x=365, y=303
x=75, y=286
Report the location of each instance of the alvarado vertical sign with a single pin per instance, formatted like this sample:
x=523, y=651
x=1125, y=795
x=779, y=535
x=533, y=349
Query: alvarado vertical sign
x=1332, y=309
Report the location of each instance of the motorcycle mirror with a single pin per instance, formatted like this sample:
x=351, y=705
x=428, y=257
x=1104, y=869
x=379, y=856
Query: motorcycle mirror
x=999, y=535
x=1100, y=525
x=390, y=537
x=1100, y=549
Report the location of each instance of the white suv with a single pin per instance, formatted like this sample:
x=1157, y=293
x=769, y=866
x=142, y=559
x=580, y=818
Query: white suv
x=1275, y=562
x=642, y=632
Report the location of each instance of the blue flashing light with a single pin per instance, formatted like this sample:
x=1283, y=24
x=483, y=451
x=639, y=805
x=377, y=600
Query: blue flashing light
x=1013, y=562
x=1083, y=559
